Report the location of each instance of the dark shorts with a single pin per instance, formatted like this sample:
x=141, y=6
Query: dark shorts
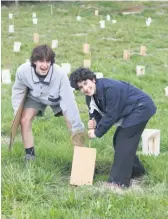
x=40, y=107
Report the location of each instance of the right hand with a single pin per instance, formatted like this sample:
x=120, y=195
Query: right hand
x=92, y=124
x=78, y=138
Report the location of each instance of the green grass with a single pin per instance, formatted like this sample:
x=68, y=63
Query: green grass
x=41, y=189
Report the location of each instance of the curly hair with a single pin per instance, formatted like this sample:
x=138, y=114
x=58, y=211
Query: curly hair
x=79, y=75
x=42, y=52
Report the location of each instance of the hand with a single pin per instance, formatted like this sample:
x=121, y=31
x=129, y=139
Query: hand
x=92, y=124
x=78, y=138
x=91, y=133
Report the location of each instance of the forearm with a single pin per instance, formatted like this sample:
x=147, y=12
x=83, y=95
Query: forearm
x=69, y=105
x=72, y=115
x=104, y=125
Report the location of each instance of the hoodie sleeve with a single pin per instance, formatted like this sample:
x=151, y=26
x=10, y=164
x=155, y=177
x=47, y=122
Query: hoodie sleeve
x=69, y=105
x=18, y=91
x=112, y=99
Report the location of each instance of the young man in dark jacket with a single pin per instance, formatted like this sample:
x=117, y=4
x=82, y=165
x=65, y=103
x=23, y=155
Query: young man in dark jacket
x=113, y=102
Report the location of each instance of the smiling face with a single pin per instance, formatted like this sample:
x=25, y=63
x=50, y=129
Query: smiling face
x=42, y=67
x=87, y=87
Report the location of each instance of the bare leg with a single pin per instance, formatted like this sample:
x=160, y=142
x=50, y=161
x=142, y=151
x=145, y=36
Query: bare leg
x=28, y=116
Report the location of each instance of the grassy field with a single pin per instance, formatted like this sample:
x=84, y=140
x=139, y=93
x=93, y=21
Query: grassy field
x=42, y=190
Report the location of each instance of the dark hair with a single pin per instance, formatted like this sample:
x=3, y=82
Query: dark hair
x=79, y=75
x=42, y=52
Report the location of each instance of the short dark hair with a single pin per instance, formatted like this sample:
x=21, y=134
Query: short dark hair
x=42, y=52
x=79, y=75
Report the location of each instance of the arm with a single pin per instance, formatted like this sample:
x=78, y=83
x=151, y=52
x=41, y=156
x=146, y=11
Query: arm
x=69, y=105
x=111, y=112
x=17, y=91
x=94, y=114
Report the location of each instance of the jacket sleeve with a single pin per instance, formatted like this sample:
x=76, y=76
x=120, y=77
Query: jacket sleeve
x=18, y=91
x=69, y=105
x=112, y=97
x=96, y=116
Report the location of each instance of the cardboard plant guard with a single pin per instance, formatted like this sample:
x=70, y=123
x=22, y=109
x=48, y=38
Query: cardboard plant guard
x=83, y=166
x=16, y=121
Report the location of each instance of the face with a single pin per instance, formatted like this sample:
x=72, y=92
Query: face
x=87, y=87
x=42, y=67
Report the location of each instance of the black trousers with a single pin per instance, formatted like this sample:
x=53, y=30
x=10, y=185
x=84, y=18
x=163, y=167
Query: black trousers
x=126, y=163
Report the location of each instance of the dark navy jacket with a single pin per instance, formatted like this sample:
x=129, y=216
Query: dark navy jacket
x=118, y=99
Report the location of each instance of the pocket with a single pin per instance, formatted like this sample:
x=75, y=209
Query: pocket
x=54, y=99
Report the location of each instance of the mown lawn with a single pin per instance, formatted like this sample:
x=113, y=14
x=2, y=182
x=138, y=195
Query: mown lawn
x=41, y=189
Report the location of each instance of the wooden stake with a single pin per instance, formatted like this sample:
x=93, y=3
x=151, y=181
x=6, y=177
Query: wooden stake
x=86, y=48
x=143, y=50
x=126, y=55
x=36, y=38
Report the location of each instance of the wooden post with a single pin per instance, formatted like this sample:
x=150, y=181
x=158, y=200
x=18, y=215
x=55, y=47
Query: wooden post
x=16, y=121
x=16, y=3
x=36, y=38
x=143, y=50
x=87, y=63
x=86, y=48
x=51, y=10
x=126, y=55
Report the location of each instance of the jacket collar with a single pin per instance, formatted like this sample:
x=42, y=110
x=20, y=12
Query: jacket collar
x=47, y=78
x=99, y=89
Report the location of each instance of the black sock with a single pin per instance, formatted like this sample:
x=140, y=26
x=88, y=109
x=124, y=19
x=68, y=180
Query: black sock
x=30, y=151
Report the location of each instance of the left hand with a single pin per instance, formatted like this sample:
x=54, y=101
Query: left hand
x=91, y=133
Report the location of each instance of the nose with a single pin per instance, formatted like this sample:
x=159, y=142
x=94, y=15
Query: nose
x=85, y=89
x=45, y=64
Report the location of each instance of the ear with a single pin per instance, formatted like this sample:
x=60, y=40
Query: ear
x=34, y=63
x=94, y=80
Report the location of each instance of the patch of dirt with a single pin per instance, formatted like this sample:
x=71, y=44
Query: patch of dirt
x=133, y=10
x=5, y=140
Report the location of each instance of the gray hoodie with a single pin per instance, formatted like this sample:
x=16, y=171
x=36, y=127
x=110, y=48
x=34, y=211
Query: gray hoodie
x=54, y=90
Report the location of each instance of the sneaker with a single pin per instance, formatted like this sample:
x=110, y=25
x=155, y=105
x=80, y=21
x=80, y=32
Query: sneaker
x=29, y=157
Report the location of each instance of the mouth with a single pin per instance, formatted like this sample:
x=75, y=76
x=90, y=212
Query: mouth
x=43, y=69
x=88, y=93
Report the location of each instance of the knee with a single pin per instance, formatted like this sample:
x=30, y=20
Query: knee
x=25, y=121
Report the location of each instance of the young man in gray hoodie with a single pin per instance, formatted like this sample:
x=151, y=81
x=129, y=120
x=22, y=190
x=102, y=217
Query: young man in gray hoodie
x=47, y=85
